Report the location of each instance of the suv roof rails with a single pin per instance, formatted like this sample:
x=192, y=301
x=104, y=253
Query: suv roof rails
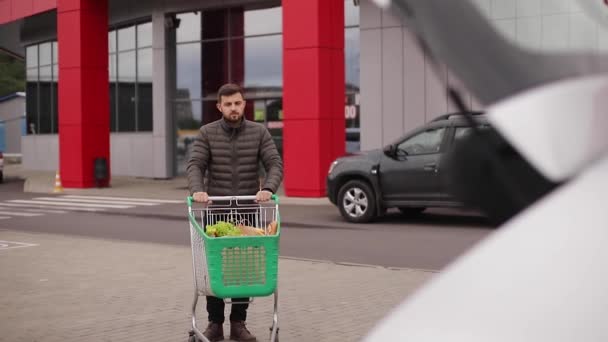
x=455, y=114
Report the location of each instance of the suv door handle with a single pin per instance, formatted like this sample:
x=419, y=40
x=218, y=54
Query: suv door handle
x=430, y=167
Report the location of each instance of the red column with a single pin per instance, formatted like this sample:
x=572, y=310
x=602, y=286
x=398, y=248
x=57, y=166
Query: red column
x=313, y=93
x=84, y=129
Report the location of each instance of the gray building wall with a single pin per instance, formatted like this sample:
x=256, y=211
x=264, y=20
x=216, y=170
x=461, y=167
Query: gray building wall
x=12, y=113
x=399, y=88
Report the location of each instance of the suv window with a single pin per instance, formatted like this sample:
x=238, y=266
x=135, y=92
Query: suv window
x=426, y=142
x=462, y=132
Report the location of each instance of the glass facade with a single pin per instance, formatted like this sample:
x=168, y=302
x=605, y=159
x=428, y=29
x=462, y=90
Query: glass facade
x=130, y=76
x=41, y=88
x=244, y=46
x=130, y=68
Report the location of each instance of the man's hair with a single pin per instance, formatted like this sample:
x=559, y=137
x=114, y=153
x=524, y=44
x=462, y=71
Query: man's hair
x=228, y=90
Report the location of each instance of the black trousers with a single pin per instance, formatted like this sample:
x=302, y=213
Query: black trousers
x=215, y=308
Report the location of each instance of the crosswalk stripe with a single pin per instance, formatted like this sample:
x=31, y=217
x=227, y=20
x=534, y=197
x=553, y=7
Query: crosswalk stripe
x=63, y=199
x=33, y=210
x=19, y=214
x=4, y=217
x=19, y=205
x=73, y=204
x=125, y=199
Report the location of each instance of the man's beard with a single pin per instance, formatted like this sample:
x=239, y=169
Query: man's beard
x=233, y=117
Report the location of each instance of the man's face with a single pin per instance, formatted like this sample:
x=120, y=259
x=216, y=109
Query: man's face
x=232, y=107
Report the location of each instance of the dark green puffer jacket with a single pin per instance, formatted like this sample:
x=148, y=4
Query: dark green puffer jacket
x=230, y=156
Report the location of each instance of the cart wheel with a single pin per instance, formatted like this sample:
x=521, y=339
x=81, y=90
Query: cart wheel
x=192, y=337
x=276, y=338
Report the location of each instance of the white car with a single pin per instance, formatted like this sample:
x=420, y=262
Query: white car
x=541, y=275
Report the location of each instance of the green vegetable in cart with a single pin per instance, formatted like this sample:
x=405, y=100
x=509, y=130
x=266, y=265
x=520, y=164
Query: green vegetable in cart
x=222, y=228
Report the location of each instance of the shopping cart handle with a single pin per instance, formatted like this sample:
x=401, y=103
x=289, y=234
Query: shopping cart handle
x=275, y=198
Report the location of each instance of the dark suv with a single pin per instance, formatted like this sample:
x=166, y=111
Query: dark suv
x=406, y=174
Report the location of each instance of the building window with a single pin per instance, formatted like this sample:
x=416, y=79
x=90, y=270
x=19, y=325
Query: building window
x=130, y=69
x=244, y=45
x=41, y=88
x=218, y=46
x=352, y=108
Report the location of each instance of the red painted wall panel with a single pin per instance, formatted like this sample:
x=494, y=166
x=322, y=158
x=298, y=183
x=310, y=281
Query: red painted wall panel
x=44, y=5
x=301, y=18
x=22, y=8
x=83, y=90
x=11, y=10
x=5, y=11
x=313, y=92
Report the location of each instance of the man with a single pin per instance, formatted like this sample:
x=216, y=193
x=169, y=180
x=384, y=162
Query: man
x=229, y=151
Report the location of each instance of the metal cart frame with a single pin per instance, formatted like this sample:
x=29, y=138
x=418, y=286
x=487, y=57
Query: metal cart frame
x=234, y=209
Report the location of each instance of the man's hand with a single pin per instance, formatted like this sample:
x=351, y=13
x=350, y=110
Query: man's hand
x=263, y=196
x=201, y=197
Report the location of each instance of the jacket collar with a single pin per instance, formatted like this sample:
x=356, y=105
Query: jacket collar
x=230, y=127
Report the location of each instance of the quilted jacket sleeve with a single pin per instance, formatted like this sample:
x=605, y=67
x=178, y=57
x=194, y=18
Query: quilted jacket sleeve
x=198, y=163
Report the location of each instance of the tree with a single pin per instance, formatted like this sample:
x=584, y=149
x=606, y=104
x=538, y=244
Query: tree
x=12, y=75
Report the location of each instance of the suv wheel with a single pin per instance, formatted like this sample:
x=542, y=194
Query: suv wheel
x=411, y=211
x=357, y=202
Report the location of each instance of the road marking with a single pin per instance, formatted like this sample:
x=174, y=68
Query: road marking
x=126, y=199
x=46, y=211
x=4, y=217
x=19, y=214
x=78, y=200
x=13, y=244
x=17, y=205
x=73, y=204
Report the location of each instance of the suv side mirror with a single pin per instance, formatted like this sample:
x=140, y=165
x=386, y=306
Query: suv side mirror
x=390, y=150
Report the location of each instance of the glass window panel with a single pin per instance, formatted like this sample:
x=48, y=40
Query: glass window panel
x=144, y=107
x=215, y=64
x=263, y=21
x=112, y=41
x=31, y=56
x=46, y=73
x=45, y=57
x=259, y=110
x=55, y=106
x=189, y=27
x=262, y=62
x=45, y=108
x=144, y=65
x=274, y=121
x=351, y=56
x=209, y=112
x=32, y=74
x=188, y=114
x=126, y=66
x=112, y=67
x=351, y=13
x=55, y=53
x=113, y=119
x=423, y=143
x=31, y=107
x=215, y=23
x=188, y=71
x=144, y=35
x=126, y=107
x=126, y=38
x=55, y=72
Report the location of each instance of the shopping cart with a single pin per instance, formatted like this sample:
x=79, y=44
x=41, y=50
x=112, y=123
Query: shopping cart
x=234, y=266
